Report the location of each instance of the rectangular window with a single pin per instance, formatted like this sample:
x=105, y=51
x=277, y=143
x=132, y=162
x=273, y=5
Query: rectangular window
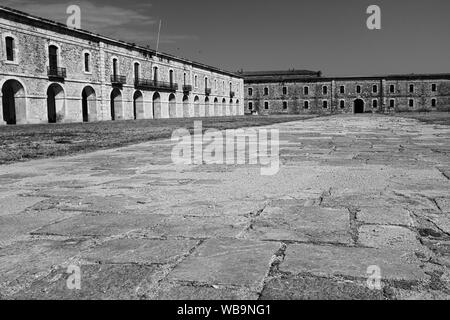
x=325, y=90
x=392, y=88
x=9, y=41
x=358, y=89
x=342, y=104
x=306, y=104
x=285, y=105
x=374, y=104
x=411, y=88
x=392, y=103
x=325, y=104
x=284, y=90
x=250, y=106
x=375, y=89
x=305, y=91
x=87, y=58
x=266, y=105
x=342, y=89
x=433, y=87
x=250, y=91
x=411, y=103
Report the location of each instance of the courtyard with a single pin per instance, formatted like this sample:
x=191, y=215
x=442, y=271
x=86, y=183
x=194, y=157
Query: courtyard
x=355, y=196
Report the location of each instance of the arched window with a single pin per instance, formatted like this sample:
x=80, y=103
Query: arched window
x=266, y=91
x=155, y=74
x=206, y=82
x=433, y=102
x=136, y=71
x=114, y=67
x=195, y=81
x=171, y=77
x=10, y=46
x=87, y=62
x=53, y=57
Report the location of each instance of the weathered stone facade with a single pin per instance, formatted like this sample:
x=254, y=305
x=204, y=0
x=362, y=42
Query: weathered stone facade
x=296, y=92
x=50, y=73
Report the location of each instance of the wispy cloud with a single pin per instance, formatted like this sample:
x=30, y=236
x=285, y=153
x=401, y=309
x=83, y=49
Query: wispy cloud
x=128, y=24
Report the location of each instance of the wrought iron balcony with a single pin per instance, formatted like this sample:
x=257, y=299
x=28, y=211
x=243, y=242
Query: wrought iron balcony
x=117, y=79
x=207, y=91
x=187, y=88
x=58, y=73
x=155, y=85
x=232, y=94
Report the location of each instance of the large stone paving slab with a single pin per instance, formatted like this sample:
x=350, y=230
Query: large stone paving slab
x=227, y=262
x=300, y=223
x=139, y=251
x=353, y=262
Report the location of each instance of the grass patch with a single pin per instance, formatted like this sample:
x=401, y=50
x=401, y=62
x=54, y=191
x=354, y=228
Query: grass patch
x=25, y=142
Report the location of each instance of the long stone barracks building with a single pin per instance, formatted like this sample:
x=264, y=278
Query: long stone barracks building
x=51, y=73
x=303, y=91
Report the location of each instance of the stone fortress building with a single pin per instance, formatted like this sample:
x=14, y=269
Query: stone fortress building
x=303, y=91
x=50, y=73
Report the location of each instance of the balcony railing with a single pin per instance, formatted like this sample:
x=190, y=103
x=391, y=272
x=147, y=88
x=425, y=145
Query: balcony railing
x=187, y=88
x=232, y=94
x=207, y=91
x=59, y=73
x=155, y=85
x=117, y=79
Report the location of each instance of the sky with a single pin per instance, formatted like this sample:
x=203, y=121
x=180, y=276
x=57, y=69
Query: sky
x=326, y=35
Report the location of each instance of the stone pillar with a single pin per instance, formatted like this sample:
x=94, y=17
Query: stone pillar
x=2, y=122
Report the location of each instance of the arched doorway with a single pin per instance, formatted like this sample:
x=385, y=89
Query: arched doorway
x=89, y=104
x=196, y=107
x=224, y=107
x=156, y=106
x=138, y=105
x=186, y=113
x=358, y=106
x=216, y=107
x=13, y=102
x=55, y=103
x=172, y=106
x=207, y=111
x=116, y=104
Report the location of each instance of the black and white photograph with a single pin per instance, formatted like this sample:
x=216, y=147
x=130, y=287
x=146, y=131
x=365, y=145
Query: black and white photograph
x=240, y=153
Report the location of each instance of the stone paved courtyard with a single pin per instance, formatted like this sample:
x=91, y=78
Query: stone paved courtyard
x=352, y=192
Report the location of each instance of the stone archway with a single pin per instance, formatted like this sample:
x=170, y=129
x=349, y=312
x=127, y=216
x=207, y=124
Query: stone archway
x=157, y=112
x=196, y=107
x=13, y=102
x=116, y=104
x=55, y=103
x=186, y=113
x=207, y=110
x=89, y=104
x=172, y=106
x=358, y=106
x=138, y=105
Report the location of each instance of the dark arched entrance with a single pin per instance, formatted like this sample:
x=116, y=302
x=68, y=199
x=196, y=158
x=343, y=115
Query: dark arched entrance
x=116, y=103
x=13, y=102
x=157, y=112
x=55, y=103
x=89, y=104
x=359, y=106
x=138, y=105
